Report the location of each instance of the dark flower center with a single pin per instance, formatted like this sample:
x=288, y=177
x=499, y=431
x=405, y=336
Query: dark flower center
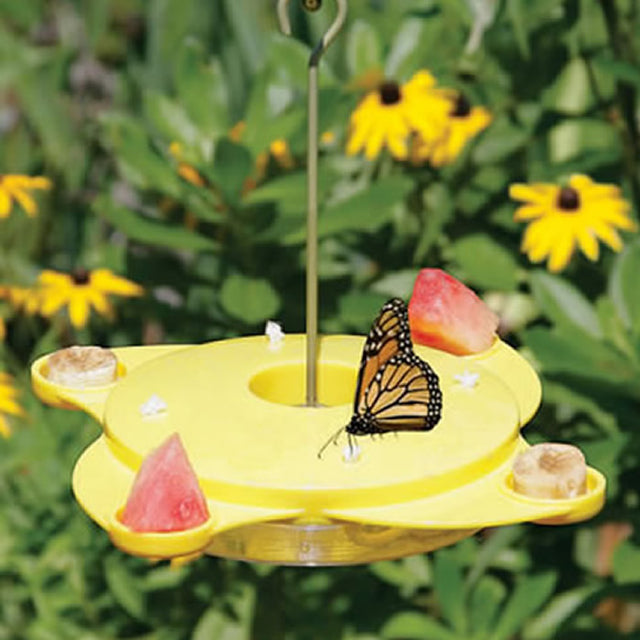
x=390, y=92
x=80, y=276
x=568, y=199
x=462, y=107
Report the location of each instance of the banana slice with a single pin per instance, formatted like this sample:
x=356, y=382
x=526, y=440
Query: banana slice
x=80, y=367
x=550, y=470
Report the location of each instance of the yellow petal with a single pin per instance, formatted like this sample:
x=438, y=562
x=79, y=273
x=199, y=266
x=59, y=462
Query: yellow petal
x=588, y=243
x=108, y=282
x=5, y=202
x=51, y=300
x=5, y=429
x=99, y=301
x=8, y=405
x=40, y=182
x=374, y=144
x=528, y=212
x=79, y=310
x=26, y=202
x=608, y=235
x=562, y=249
x=540, y=193
x=48, y=278
x=537, y=239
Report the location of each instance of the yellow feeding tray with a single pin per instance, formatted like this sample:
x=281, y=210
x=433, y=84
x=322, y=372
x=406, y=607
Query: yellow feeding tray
x=238, y=407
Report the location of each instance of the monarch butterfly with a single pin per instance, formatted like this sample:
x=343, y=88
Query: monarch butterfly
x=396, y=390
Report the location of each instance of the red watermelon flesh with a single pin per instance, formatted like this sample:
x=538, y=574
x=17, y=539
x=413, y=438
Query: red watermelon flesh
x=165, y=495
x=447, y=315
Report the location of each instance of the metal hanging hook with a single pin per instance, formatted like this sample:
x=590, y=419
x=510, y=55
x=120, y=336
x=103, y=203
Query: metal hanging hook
x=312, y=184
x=328, y=37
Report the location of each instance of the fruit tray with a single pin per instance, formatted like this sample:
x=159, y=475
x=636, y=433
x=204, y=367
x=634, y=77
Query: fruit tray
x=238, y=406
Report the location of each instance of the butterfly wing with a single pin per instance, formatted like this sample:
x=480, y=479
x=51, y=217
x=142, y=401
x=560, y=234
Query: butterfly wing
x=404, y=396
x=396, y=390
x=389, y=335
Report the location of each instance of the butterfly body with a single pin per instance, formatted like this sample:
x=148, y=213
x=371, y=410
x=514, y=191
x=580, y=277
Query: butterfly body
x=396, y=390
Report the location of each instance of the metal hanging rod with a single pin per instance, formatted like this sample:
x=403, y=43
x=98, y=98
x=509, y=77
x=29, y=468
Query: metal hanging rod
x=312, y=183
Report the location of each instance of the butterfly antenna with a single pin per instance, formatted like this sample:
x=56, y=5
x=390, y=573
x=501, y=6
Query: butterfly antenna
x=333, y=438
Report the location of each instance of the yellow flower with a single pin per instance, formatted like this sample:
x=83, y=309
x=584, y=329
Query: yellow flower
x=185, y=170
x=3, y=329
x=463, y=123
x=16, y=187
x=24, y=299
x=388, y=116
x=82, y=290
x=281, y=152
x=8, y=404
x=561, y=218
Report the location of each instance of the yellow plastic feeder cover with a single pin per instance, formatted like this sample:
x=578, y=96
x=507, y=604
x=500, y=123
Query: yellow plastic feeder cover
x=238, y=406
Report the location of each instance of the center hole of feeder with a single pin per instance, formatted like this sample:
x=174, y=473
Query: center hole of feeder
x=286, y=384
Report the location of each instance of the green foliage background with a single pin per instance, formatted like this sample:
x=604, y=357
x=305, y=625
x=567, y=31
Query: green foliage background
x=92, y=94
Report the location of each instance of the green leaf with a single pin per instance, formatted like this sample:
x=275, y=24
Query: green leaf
x=232, y=165
x=623, y=286
x=619, y=69
x=485, y=263
x=626, y=563
x=215, y=624
x=137, y=161
x=407, y=41
x=448, y=585
x=170, y=118
x=123, y=586
x=564, y=304
x=558, y=612
x=500, y=540
x=529, y=595
x=48, y=112
x=167, y=23
x=358, y=309
x=289, y=191
x=484, y=603
x=396, y=284
x=576, y=353
x=571, y=93
x=202, y=88
x=499, y=141
x=363, y=49
x=411, y=625
x=438, y=210
x=573, y=137
x=367, y=210
x=250, y=299
x=149, y=231
x=516, y=10
x=247, y=31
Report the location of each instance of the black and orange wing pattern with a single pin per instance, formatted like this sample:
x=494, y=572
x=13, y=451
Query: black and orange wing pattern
x=396, y=390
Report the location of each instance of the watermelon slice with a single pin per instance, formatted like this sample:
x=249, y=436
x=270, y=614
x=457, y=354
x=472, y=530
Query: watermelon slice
x=165, y=495
x=447, y=315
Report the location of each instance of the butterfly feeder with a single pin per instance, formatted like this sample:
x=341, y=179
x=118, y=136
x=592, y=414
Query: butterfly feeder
x=252, y=414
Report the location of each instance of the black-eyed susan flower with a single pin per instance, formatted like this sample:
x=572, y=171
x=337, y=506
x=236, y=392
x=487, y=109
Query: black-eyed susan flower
x=463, y=123
x=388, y=116
x=16, y=188
x=82, y=290
x=8, y=403
x=561, y=218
